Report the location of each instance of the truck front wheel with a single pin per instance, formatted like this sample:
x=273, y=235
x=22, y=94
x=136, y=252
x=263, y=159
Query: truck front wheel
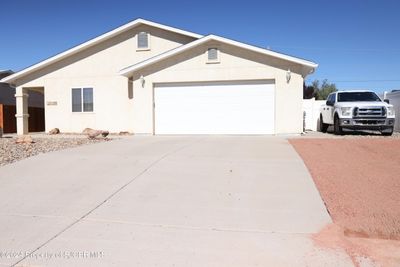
x=387, y=132
x=336, y=126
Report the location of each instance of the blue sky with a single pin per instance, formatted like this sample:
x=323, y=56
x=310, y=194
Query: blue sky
x=355, y=42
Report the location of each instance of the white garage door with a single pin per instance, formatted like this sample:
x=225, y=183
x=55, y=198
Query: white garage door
x=215, y=109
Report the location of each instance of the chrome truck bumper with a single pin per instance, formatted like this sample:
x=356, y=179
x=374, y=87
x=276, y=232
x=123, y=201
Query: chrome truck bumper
x=367, y=123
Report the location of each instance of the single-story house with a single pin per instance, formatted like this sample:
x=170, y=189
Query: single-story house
x=149, y=78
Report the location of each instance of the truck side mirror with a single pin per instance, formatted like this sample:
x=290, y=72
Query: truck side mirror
x=386, y=100
x=329, y=103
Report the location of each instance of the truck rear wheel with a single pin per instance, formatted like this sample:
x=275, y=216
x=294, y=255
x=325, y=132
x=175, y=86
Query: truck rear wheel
x=322, y=126
x=336, y=126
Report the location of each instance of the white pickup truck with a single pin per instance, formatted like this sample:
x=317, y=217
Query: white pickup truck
x=362, y=110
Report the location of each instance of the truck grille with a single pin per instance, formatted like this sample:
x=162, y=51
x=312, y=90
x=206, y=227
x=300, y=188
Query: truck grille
x=369, y=122
x=369, y=112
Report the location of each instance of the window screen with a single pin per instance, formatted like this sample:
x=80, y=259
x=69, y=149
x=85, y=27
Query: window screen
x=87, y=99
x=76, y=100
x=82, y=99
x=143, y=40
x=212, y=54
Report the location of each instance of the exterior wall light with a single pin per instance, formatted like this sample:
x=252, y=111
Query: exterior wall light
x=142, y=81
x=288, y=75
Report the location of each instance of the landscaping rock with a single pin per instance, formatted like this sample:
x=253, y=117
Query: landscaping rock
x=91, y=133
x=87, y=130
x=94, y=133
x=54, y=131
x=25, y=139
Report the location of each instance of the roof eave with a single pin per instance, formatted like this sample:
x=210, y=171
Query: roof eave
x=92, y=42
x=131, y=69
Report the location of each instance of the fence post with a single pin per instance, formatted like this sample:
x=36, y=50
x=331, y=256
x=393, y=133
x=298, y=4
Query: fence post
x=1, y=120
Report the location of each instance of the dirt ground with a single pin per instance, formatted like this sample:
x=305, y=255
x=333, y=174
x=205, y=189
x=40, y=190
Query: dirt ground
x=359, y=181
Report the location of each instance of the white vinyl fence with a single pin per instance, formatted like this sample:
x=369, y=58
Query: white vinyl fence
x=311, y=111
x=394, y=99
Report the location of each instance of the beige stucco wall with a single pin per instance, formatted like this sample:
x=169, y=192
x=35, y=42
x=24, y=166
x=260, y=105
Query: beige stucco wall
x=98, y=67
x=235, y=64
x=119, y=108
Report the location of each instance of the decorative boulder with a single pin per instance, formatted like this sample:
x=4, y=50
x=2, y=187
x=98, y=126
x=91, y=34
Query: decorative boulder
x=91, y=133
x=24, y=139
x=55, y=131
x=87, y=130
x=94, y=133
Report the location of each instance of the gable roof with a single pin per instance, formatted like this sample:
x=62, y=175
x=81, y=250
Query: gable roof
x=129, y=70
x=93, y=42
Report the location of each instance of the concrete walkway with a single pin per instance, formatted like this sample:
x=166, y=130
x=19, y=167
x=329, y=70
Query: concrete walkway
x=164, y=201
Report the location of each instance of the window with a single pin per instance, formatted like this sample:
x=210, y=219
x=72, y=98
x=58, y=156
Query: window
x=212, y=55
x=82, y=99
x=358, y=96
x=87, y=94
x=331, y=98
x=143, y=40
x=76, y=100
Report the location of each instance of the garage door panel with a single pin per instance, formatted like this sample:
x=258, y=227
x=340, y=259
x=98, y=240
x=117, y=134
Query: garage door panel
x=215, y=109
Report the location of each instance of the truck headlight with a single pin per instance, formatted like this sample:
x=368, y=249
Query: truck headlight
x=346, y=111
x=390, y=111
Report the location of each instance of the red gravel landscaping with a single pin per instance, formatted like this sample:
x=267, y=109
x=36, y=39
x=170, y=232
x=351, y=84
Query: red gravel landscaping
x=359, y=181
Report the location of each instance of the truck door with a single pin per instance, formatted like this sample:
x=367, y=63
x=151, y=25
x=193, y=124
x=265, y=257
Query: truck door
x=330, y=102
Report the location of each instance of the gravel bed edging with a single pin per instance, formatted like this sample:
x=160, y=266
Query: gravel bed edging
x=11, y=152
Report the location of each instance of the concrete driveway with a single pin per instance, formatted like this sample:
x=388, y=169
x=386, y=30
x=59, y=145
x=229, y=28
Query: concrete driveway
x=164, y=201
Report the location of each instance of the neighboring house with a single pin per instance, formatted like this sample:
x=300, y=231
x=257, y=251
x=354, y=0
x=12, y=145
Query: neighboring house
x=148, y=78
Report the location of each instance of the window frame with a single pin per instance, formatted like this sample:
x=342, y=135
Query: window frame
x=82, y=102
x=148, y=42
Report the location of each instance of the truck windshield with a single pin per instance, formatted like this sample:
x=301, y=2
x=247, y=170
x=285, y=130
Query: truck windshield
x=358, y=96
